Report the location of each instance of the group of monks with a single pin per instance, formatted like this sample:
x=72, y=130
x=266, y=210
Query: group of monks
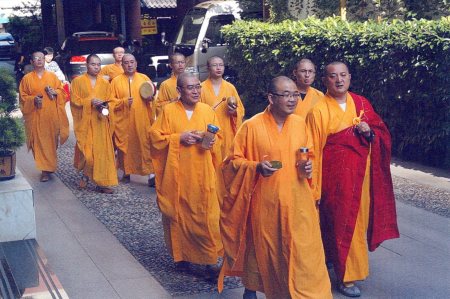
x=229, y=190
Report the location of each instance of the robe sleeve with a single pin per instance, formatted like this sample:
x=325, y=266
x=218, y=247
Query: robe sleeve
x=165, y=150
x=316, y=133
x=81, y=110
x=240, y=178
x=120, y=115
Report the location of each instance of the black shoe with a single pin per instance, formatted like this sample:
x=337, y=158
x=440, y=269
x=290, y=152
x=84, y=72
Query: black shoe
x=212, y=273
x=249, y=294
x=182, y=266
x=151, y=182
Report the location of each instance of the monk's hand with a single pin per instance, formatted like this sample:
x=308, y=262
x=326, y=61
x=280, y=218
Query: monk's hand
x=188, y=138
x=51, y=92
x=130, y=101
x=363, y=129
x=308, y=169
x=38, y=101
x=265, y=168
x=96, y=102
x=232, y=109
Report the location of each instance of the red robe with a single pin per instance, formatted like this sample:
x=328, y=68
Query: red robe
x=343, y=167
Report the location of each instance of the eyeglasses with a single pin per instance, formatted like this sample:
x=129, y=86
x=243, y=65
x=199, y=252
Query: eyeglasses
x=217, y=65
x=287, y=95
x=179, y=62
x=38, y=58
x=307, y=72
x=192, y=87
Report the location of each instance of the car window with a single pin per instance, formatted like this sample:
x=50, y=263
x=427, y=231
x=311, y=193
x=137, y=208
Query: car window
x=213, y=33
x=83, y=47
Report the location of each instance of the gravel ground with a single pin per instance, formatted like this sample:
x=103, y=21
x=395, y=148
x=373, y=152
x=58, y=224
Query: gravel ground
x=422, y=196
x=133, y=217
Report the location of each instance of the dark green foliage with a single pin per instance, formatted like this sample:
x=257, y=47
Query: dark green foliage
x=402, y=67
x=11, y=129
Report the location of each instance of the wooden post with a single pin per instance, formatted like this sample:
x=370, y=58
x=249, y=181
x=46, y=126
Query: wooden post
x=343, y=9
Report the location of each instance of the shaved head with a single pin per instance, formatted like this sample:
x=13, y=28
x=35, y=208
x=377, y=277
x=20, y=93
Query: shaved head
x=335, y=63
x=275, y=82
x=304, y=60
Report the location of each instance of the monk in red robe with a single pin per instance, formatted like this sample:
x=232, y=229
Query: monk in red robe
x=351, y=178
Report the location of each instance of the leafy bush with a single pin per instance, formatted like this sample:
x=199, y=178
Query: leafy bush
x=11, y=130
x=401, y=66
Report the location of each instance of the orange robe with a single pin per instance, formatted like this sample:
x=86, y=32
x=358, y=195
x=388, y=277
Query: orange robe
x=132, y=124
x=111, y=70
x=186, y=185
x=348, y=230
x=167, y=92
x=310, y=100
x=270, y=226
x=46, y=126
x=94, y=152
x=228, y=124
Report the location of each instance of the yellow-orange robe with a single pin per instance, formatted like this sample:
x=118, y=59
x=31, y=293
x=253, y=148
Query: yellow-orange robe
x=94, y=151
x=270, y=226
x=229, y=124
x=186, y=184
x=310, y=100
x=167, y=92
x=44, y=127
x=132, y=124
x=111, y=70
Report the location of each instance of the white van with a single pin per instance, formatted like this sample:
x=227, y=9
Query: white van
x=199, y=36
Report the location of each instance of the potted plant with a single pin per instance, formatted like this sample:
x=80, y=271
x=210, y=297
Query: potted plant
x=11, y=129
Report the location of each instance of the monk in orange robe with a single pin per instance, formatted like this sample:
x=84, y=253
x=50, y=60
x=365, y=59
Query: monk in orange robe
x=110, y=71
x=186, y=178
x=42, y=101
x=269, y=222
x=216, y=92
x=94, y=151
x=353, y=149
x=132, y=122
x=304, y=74
x=168, y=89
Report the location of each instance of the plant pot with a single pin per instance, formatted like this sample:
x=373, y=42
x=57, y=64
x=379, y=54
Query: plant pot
x=7, y=165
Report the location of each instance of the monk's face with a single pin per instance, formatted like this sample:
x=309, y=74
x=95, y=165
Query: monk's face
x=129, y=64
x=190, y=91
x=337, y=79
x=93, y=66
x=38, y=60
x=305, y=74
x=216, y=68
x=118, y=54
x=178, y=64
x=284, y=101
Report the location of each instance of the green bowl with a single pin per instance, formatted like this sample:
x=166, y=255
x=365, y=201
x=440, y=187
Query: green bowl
x=276, y=164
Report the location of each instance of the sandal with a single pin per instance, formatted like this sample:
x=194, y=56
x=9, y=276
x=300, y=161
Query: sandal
x=125, y=179
x=351, y=290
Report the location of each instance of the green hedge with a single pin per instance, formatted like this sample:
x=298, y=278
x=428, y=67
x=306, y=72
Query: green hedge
x=403, y=68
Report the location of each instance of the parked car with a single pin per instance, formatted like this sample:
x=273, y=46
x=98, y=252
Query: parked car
x=7, y=46
x=75, y=49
